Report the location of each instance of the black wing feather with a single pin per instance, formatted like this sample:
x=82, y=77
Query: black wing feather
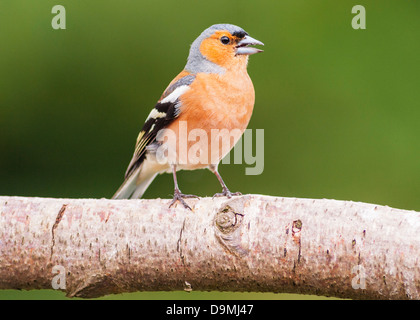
x=149, y=132
x=152, y=125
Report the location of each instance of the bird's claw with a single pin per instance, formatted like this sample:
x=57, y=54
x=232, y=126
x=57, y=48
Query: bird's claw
x=178, y=196
x=227, y=193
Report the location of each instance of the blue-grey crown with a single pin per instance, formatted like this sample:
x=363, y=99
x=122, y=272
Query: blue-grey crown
x=196, y=61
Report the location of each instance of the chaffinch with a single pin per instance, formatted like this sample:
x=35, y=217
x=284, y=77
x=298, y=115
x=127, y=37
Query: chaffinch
x=211, y=99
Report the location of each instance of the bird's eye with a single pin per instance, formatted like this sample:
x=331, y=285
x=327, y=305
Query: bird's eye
x=225, y=40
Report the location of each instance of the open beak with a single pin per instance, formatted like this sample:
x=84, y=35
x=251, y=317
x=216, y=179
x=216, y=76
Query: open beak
x=243, y=46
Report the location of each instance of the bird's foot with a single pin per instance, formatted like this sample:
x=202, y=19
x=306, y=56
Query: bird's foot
x=227, y=193
x=178, y=196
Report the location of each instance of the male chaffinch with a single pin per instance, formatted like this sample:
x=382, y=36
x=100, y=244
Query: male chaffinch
x=213, y=93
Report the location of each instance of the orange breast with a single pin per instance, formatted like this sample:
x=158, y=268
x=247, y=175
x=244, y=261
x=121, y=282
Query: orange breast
x=218, y=106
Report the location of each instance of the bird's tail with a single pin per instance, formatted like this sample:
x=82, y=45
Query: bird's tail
x=135, y=185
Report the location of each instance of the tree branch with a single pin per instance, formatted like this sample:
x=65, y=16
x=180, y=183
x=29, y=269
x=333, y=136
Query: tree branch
x=248, y=243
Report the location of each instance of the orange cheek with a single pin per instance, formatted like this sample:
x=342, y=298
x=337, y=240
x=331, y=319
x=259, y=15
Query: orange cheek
x=216, y=52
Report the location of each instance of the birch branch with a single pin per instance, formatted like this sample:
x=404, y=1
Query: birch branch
x=94, y=247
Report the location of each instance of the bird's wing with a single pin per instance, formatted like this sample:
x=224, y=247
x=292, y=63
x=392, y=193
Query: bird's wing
x=165, y=111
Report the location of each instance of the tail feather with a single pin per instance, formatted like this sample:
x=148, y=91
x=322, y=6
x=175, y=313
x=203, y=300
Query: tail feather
x=132, y=188
x=142, y=187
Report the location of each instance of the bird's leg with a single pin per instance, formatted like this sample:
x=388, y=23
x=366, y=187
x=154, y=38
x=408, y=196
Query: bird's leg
x=226, y=192
x=178, y=195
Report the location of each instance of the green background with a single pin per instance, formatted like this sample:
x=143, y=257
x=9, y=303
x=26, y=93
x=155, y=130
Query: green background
x=340, y=107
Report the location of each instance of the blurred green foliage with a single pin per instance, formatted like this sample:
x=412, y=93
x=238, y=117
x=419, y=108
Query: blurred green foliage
x=340, y=107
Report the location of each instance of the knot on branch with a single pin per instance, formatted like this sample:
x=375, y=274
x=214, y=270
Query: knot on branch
x=229, y=222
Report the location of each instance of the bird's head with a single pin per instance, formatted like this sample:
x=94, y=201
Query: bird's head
x=221, y=47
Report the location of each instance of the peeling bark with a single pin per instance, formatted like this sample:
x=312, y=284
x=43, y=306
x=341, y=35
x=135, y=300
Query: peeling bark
x=247, y=243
